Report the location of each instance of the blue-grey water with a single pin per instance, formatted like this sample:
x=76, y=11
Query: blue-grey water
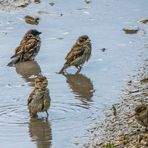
x=76, y=99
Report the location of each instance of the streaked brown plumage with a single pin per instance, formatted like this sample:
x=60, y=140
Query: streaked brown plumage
x=141, y=114
x=28, y=48
x=79, y=54
x=39, y=99
x=31, y=20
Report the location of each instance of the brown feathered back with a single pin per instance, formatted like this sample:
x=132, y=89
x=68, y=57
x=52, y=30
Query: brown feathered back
x=28, y=48
x=79, y=53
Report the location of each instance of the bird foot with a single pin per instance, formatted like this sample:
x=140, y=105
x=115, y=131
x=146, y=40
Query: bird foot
x=34, y=115
x=79, y=69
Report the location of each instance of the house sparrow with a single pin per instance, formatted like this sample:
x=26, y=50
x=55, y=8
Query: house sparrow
x=39, y=99
x=28, y=48
x=141, y=114
x=31, y=20
x=79, y=54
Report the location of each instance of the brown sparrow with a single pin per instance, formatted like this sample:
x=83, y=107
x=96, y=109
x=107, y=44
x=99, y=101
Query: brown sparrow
x=31, y=20
x=141, y=114
x=39, y=99
x=79, y=54
x=28, y=48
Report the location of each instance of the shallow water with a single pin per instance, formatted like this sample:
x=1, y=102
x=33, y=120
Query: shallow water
x=76, y=99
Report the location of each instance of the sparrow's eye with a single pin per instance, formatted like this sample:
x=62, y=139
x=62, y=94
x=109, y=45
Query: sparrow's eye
x=81, y=40
x=30, y=35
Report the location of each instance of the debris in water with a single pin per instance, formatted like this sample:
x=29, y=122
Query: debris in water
x=131, y=29
x=87, y=1
x=52, y=4
x=103, y=49
x=37, y=1
x=43, y=12
x=114, y=110
x=144, y=20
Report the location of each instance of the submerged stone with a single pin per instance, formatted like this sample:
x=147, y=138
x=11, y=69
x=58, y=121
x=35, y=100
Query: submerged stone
x=131, y=29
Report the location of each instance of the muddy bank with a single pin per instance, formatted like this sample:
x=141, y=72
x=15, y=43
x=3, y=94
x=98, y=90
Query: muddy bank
x=13, y=4
x=122, y=130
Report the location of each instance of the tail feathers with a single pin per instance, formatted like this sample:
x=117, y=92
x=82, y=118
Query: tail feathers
x=63, y=68
x=14, y=61
x=12, y=57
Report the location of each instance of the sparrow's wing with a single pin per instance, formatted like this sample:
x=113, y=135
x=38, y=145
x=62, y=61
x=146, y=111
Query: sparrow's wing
x=47, y=100
x=74, y=53
x=74, y=48
x=35, y=95
x=31, y=96
x=25, y=47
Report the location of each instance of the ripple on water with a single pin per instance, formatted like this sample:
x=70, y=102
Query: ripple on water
x=70, y=115
x=13, y=114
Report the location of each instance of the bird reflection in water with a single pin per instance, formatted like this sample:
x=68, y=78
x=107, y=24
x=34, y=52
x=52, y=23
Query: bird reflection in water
x=40, y=132
x=28, y=70
x=81, y=86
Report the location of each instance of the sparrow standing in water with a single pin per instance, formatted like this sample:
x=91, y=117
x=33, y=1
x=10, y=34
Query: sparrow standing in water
x=79, y=54
x=39, y=99
x=28, y=48
x=141, y=114
x=31, y=20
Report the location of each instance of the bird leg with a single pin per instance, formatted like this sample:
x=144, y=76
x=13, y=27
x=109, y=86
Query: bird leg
x=79, y=69
x=62, y=70
x=47, y=113
x=34, y=115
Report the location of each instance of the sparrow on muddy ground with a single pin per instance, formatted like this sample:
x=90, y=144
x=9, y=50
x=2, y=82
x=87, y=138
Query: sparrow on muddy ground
x=141, y=115
x=28, y=48
x=79, y=54
x=39, y=99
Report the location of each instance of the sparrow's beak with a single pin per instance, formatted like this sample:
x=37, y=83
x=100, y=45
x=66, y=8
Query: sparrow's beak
x=88, y=40
x=39, y=33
